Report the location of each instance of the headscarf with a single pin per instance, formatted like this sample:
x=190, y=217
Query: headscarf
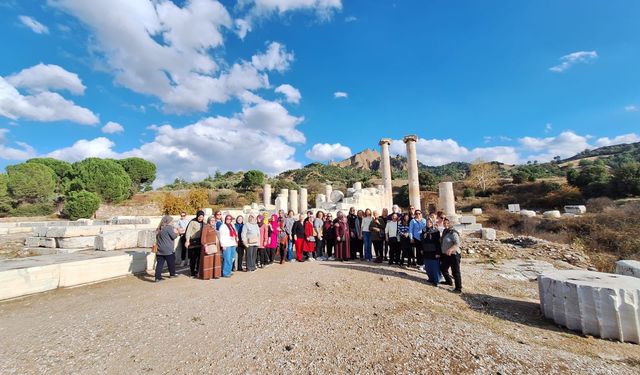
x=260, y=221
x=199, y=213
x=252, y=219
x=274, y=222
x=240, y=224
x=166, y=220
x=232, y=230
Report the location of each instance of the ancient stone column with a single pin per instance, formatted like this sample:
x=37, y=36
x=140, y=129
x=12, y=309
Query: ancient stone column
x=327, y=190
x=412, y=166
x=446, y=199
x=293, y=200
x=266, y=194
x=385, y=167
x=281, y=202
x=303, y=200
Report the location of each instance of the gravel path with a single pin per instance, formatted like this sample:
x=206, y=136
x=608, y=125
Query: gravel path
x=312, y=318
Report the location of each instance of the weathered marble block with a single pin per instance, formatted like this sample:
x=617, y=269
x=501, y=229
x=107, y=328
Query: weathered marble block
x=514, y=208
x=575, y=209
x=628, y=267
x=86, y=242
x=476, y=211
x=467, y=219
x=553, y=214
x=115, y=240
x=489, y=234
x=527, y=213
x=65, y=232
x=146, y=238
x=594, y=303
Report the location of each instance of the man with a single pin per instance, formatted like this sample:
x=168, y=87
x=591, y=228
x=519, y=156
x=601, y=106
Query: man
x=416, y=225
x=288, y=226
x=182, y=227
x=412, y=212
x=451, y=256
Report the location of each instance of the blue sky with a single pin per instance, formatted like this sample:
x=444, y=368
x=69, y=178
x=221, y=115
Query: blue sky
x=198, y=86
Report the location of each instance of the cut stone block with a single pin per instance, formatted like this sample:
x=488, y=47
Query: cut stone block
x=336, y=196
x=553, y=214
x=115, y=240
x=23, y=281
x=628, y=267
x=489, y=234
x=476, y=211
x=146, y=238
x=118, y=220
x=594, y=303
x=87, y=242
x=467, y=219
x=32, y=242
x=19, y=230
x=64, y=232
x=514, y=208
x=527, y=213
x=103, y=268
x=48, y=242
x=575, y=209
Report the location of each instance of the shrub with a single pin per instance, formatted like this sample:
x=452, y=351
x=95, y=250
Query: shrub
x=173, y=205
x=226, y=199
x=595, y=205
x=81, y=205
x=141, y=172
x=252, y=179
x=33, y=209
x=31, y=182
x=198, y=199
x=104, y=177
x=468, y=193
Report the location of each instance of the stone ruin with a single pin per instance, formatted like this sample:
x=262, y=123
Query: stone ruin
x=357, y=197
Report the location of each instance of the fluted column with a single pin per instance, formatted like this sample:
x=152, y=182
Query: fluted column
x=266, y=195
x=303, y=200
x=293, y=200
x=385, y=166
x=412, y=166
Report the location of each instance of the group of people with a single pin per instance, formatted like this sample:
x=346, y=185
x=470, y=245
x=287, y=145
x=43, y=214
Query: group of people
x=426, y=241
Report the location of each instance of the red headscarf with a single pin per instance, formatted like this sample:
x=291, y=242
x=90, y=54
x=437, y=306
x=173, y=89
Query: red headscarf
x=232, y=230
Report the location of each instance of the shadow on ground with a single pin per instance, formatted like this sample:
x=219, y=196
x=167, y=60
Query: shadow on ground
x=382, y=271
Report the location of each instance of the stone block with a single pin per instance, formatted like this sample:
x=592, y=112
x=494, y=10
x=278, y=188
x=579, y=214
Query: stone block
x=628, y=268
x=48, y=242
x=336, y=196
x=514, y=208
x=489, y=234
x=146, y=238
x=84, y=222
x=115, y=240
x=527, y=213
x=119, y=220
x=467, y=219
x=553, y=214
x=23, y=281
x=476, y=211
x=86, y=242
x=17, y=230
x=103, y=268
x=595, y=303
x=65, y=232
x=32, y=242
x=575, y=209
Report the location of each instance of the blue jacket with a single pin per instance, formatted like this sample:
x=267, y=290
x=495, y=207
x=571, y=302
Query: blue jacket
x=415, y=228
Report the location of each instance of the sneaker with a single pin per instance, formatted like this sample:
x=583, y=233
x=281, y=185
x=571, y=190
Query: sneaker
x=312, y=260
x=174, y=276
x=332, y=258
x=457, y=291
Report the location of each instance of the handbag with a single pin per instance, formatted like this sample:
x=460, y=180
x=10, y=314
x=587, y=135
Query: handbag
x=211, y=248
x=154, y=248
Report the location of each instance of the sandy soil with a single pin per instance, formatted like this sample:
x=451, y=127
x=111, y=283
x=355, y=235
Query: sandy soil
x=312, y=318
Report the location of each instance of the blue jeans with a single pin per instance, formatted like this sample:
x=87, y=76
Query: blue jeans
x=432, y=267
x=290, y=250
x=366, y=237
x=228, y=255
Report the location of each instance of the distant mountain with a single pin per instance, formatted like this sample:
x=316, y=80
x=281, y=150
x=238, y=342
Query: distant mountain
x=367, y=159
x=632, y=149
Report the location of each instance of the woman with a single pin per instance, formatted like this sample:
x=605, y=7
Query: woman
x=263, y=241
x=165, y=236
x=192, y=241
x=386, y=217
x=352, y=219
x=273, y=238
x=241, y=246
x=210, y=247
x=366, y=234
x=283, y=241
x=440, y=221
x=450, y=257
x=376, y=228
x=251, y=238
x=329, y=235
x=405, y=241
x=431, y=250
x=309, y=243
x=356, y=247
x=391, y=236
x=318, y=225
x=228, y=244
x=341, y=227
x=298, y=236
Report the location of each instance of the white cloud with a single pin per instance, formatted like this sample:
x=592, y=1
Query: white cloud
x=41, y=106
x=566, y=144
x=275, y=58
x=291, y=93
x=274, y=119
x=100, y=147
x=436, y=152
x=112, y=128
x=631, y=108
x=43, y=77
x=350, y=19
x=567, y=61
x=625, y=138
x=340, y=94
x=24, y=151
x=548, y=126
x=326, y=151
x=34, y=25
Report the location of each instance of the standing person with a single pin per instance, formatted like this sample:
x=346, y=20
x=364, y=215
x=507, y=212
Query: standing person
x=418, y=223
x=288, y=224
x=309, y=244
x=283, y=241
x=318, y=225
x=263, y=241
x=450, y=257
x=273, y=238
x=440, y=221
x=298, y=236
x=341, y=227
x=406, y=251
x=353, y=236
x=366, y=234
x=431, y=249
x=192, y=241
x=377, y=235
x=412, y=211
x=356, y=247
x=251, y=238
x=280, y=215
x=329, y=236
x=386, y=217
x=391, y=236
x=210, y=248
x=228, y=244
x=218, y=216
x=182, y=227
x=241, y=245
x=165, y=235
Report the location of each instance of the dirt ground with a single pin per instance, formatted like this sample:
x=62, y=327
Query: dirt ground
x=311, y=318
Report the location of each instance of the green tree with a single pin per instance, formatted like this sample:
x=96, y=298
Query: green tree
x=141, y=172
x=252, y=179
x=31, y=182
x=5, y=199
x=427, y=180
x=626, y=180
x=104, y=177
x=61, y=168
x=81, y=205
x=592, y=179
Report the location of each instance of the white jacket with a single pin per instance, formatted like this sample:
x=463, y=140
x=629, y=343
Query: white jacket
x=225, y=237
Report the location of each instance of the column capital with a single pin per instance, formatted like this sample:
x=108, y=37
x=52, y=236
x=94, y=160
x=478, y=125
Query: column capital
x=384, y=141
x=410, y=138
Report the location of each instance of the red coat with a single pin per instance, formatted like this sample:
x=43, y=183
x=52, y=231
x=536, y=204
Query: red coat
x=308, y=246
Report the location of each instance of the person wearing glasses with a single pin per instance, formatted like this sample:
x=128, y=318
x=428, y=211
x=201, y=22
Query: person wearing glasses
x=451, y=256
x=218, y=216
x=417, y=224
x=228, y=244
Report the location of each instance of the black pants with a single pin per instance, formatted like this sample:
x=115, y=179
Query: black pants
x=385, y=249
x=240, y=250
x=377, y=246
x=182, y=248
x=171, y=264
x=194, y=260
x=453, y=262
x=330, y=245
x=262, y=257
x=282, y=250
x=417, y=245
x=394, y=251
x=356, y=248
x=319, y=248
